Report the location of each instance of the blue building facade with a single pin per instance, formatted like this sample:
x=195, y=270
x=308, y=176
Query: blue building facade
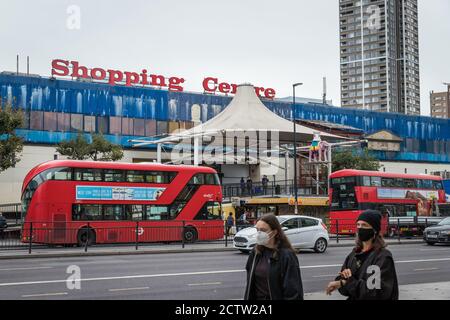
x=57, y=109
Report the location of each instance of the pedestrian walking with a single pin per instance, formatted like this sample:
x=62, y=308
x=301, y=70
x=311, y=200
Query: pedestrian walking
x=230, y=223
x=273, y=271
x=265, y=183
x=242, y=186
x=249, y=186
x=368, y=272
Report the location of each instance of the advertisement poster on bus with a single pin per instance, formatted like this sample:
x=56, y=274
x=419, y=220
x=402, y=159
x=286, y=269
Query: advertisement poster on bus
x=424, y=198
x=118, y=193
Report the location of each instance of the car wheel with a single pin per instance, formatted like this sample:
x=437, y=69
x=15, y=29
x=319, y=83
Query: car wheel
x=320, y=245
x=430, y=243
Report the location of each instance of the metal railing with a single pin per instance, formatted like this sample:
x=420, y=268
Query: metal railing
x=34, y=235
x=12, y=212
x=272, y=189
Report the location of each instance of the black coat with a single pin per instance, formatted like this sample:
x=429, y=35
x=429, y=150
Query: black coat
x=285, y=282
x=357, y=288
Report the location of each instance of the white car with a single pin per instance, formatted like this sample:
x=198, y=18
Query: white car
x=303, y=233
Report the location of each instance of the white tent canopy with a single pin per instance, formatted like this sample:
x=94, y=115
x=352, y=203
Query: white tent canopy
x=246, y=112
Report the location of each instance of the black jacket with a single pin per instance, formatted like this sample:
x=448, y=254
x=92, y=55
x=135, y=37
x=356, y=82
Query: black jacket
x=285, y=282
x=359, y=288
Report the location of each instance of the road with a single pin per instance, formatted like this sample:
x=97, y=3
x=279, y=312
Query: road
x=181, y=276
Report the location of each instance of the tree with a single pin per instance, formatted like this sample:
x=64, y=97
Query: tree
x=358, y=161
x=11, y=145
x=99, y=150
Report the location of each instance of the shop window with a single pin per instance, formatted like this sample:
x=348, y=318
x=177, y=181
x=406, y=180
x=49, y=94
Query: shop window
x=127, y=126
x=150, y=128
x=89, y=123
x=139, y=127
x=63, y=121
x=50, y=121
x=76, y=122
x=36, y=120
x=161, y=127
x=115, y=125
x=102, y=125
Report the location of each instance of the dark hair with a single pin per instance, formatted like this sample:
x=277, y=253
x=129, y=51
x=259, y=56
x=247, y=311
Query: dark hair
x=281, y=241
x=378, y=243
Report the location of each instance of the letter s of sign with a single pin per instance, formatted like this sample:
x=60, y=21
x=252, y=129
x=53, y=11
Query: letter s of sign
x=74, y=280
x=74, y=19
x=374, y=281
x=60, y=67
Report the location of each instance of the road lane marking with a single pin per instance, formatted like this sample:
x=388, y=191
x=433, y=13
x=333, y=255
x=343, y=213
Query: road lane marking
x=128, y=289
x=204, y=284
x=30, y=268
x=426, y=269
x=434, y=249
x=191, y=273
x=45, y=295
x=326, y=276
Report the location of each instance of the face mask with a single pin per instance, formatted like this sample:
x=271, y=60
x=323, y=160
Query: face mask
x=365, y=234
x=262, y=238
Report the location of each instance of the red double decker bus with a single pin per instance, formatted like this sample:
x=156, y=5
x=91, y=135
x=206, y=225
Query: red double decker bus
x=73, y=202
x=406, y=201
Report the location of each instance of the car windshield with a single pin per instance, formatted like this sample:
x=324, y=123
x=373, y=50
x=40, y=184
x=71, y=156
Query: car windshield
x=281, y=219
x=445, y=222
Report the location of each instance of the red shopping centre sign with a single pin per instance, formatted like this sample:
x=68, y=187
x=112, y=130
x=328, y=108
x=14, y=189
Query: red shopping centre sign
x=73, y=69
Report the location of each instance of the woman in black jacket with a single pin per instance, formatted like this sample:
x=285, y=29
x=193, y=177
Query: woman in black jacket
x=273, y=271
x=368, y=272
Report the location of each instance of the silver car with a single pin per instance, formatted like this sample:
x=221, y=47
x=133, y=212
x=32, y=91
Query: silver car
x=303, y=233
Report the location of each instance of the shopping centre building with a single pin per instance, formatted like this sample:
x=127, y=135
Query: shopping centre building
x=56, y=109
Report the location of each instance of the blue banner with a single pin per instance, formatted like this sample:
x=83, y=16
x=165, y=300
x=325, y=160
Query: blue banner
x=118, y=193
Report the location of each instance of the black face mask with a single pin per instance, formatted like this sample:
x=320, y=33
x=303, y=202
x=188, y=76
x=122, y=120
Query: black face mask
x=365, y=234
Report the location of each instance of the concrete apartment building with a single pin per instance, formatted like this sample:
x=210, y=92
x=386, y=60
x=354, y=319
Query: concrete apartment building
x=440, y=104
x=380, y=57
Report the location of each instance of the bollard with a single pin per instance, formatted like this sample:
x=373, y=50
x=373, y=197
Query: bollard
x=31, y=238
x=87, y=238
x=137, y=234
x=182, y=235
x=398, y=230
x=337, y=231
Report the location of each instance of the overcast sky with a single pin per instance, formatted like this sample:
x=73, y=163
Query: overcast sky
x=268, y=43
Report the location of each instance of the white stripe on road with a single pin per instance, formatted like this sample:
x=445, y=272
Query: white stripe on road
x=128, y=289
x=44, y=295
x=426, y=269
x=191, y=273
x=204, y=284
x=30, y=268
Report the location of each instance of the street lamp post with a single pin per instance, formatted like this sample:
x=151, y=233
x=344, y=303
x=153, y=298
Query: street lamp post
x=295, y=148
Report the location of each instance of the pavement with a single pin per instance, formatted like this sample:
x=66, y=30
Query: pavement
x=422, y=291
x=423, y=273
x=100, y=250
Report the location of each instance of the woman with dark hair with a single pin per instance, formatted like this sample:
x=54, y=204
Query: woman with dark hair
x=273, y=271
x=368, y=272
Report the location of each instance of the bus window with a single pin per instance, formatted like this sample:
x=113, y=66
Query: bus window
x=209, y=211
x=197, y=179
x=81, y=212
x=114, y=176
x=156, y=213
x=134, y=212
x=366, y=182
x=135, y=176
x=437, y=185
x=113, y=212
x=387, y=182
x=58, y=174
x=82, y=174
x=375, y=181
x=175, y=209
x=410, y=183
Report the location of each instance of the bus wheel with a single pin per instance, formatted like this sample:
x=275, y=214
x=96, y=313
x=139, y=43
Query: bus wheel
x=83, y=236
x=190, y=234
